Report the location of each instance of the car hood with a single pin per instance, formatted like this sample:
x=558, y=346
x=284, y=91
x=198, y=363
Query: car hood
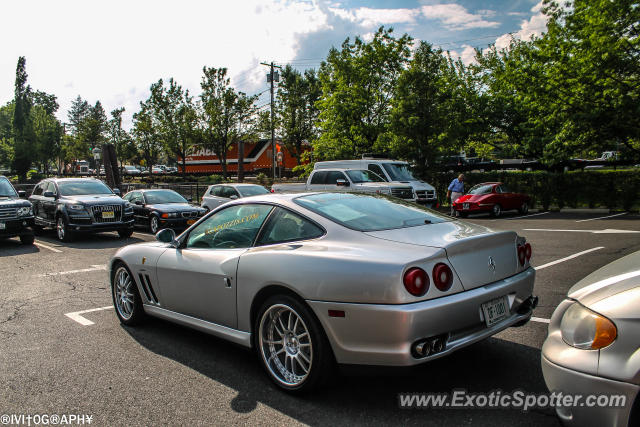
x=172, y=207
x=13, y=202
x=97, y=199
x=620, y=276
x=417, y=185
x=478, y=254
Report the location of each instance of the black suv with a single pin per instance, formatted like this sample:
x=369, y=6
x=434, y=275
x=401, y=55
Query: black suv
x=16, y=216
x=72, y=205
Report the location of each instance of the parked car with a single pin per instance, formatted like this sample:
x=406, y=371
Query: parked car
x=76, y=205
x=312, y=279
x=158, y=169
x=354, y=180
x=16, y=215
x=592, y=345
x=171, y=169
x=491, y=197
x=162, y=208
x=395, y=171
x=131, y=170
x=218, y=194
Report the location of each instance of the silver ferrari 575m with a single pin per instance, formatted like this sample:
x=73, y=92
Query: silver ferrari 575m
x=312, y=279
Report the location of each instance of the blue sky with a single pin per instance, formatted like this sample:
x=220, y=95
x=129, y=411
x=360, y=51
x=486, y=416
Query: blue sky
x=112, y=51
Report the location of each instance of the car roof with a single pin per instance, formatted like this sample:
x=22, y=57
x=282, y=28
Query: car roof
x=238, y=184
x=489, y=183
x=71, y=179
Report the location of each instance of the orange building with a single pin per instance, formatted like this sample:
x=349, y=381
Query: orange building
x=257, y=158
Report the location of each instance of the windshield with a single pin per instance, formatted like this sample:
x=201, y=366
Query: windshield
x=481, y=189
x=163, y=196
x=82, y=187
x=252, y=190
x=368, y=213
x=6, y=189
x=358, y=176
x=398, y=171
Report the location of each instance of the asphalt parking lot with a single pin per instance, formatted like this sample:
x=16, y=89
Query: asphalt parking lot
x=62, y=349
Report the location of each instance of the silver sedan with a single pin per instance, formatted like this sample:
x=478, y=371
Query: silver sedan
x=308, y=280
x=593, y=347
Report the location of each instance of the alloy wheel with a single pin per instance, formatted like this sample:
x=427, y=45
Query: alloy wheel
x=285, y=345
x=123, y=293
x=154, y=224
x=60, y=228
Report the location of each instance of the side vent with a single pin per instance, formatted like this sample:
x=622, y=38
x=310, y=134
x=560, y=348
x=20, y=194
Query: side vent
x=150, y=295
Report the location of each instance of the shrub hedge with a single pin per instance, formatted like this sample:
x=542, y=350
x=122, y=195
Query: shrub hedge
x=613, y=189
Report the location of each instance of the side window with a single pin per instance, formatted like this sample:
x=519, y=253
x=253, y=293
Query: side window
x=498, y=189
x=285, y=226
x=128, y=197
x=233, y=227
x=216, y=191
x=229, y=191
x=318, y=177
x=334, y=176
x=51, y=187
x=137, y=197
x=37, y=191
x=378, y=170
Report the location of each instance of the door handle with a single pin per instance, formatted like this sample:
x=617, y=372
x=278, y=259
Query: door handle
x=227, y=282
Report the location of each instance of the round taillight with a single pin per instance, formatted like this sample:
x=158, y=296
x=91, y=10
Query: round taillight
x=521, y=254
x=527, y=251
x=442, y=277
x=416, y=281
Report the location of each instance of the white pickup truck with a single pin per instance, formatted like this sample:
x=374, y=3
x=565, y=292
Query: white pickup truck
x=358, y=180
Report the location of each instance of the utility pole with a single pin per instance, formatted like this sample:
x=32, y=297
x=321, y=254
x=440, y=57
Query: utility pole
x=271, y=77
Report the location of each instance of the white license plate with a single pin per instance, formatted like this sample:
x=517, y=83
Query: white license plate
x=465, y=206
x=3, y=225
x=108, y=215
x=495, y=310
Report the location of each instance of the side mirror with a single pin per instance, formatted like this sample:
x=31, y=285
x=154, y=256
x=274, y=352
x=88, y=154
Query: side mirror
x=342, y=183
x=189, y=200
x=138, y=202
x=166, y=235
x=234, y=197
x=116, y=191
x=22, y=194
x=48, y=194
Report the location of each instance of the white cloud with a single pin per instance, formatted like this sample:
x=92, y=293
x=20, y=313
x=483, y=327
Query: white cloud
x=468, y=54
x=368, y=17
x=535, y=26
x=456, y=17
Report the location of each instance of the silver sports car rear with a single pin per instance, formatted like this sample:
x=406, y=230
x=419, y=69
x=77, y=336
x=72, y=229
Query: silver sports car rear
x=313, y=279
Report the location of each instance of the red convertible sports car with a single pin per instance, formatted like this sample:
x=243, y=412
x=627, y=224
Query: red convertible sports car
x=492, y=197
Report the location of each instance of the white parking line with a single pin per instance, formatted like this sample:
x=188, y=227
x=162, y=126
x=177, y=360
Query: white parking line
x=605, y=231
x=558, y=261
x=540, y=320
x=76, y=315
x=96, y=267
x=40, y=245
x=527, y=216
x=602, y=217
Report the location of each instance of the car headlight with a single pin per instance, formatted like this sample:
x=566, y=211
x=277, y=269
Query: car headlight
x=25, y=211
x=76, y=208
x=586, y=329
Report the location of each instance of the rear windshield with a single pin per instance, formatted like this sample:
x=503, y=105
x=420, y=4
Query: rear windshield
x=367, y=212
x=252, y=190
x=81, y=187
x=481, y=189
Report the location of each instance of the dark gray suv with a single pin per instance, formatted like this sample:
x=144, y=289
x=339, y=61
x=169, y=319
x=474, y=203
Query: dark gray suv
x=76, y=205
x=16, y=215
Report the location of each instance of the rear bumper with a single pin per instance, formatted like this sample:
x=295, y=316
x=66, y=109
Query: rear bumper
x=381, y=334
x=568, y=381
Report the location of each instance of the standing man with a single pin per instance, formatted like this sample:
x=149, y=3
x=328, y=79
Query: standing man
x=455, y=190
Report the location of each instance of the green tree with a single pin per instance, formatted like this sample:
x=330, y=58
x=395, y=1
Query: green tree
x=226, y=116
x=23, y=138
x=297, y=112
x=6, y=134
x=357, y=85
x=77, y=115
x=120, y=138
x=146, y=134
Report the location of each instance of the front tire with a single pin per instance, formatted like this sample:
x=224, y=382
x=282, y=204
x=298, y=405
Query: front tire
x=154, y=224
x=126, y=298
x=62, y=230
x=27, y=239
x=292, y=346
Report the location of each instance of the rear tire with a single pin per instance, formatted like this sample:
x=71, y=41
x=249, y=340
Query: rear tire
x=524, y=209
x=496, y=210
x=126, y=299
x=291, y=344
